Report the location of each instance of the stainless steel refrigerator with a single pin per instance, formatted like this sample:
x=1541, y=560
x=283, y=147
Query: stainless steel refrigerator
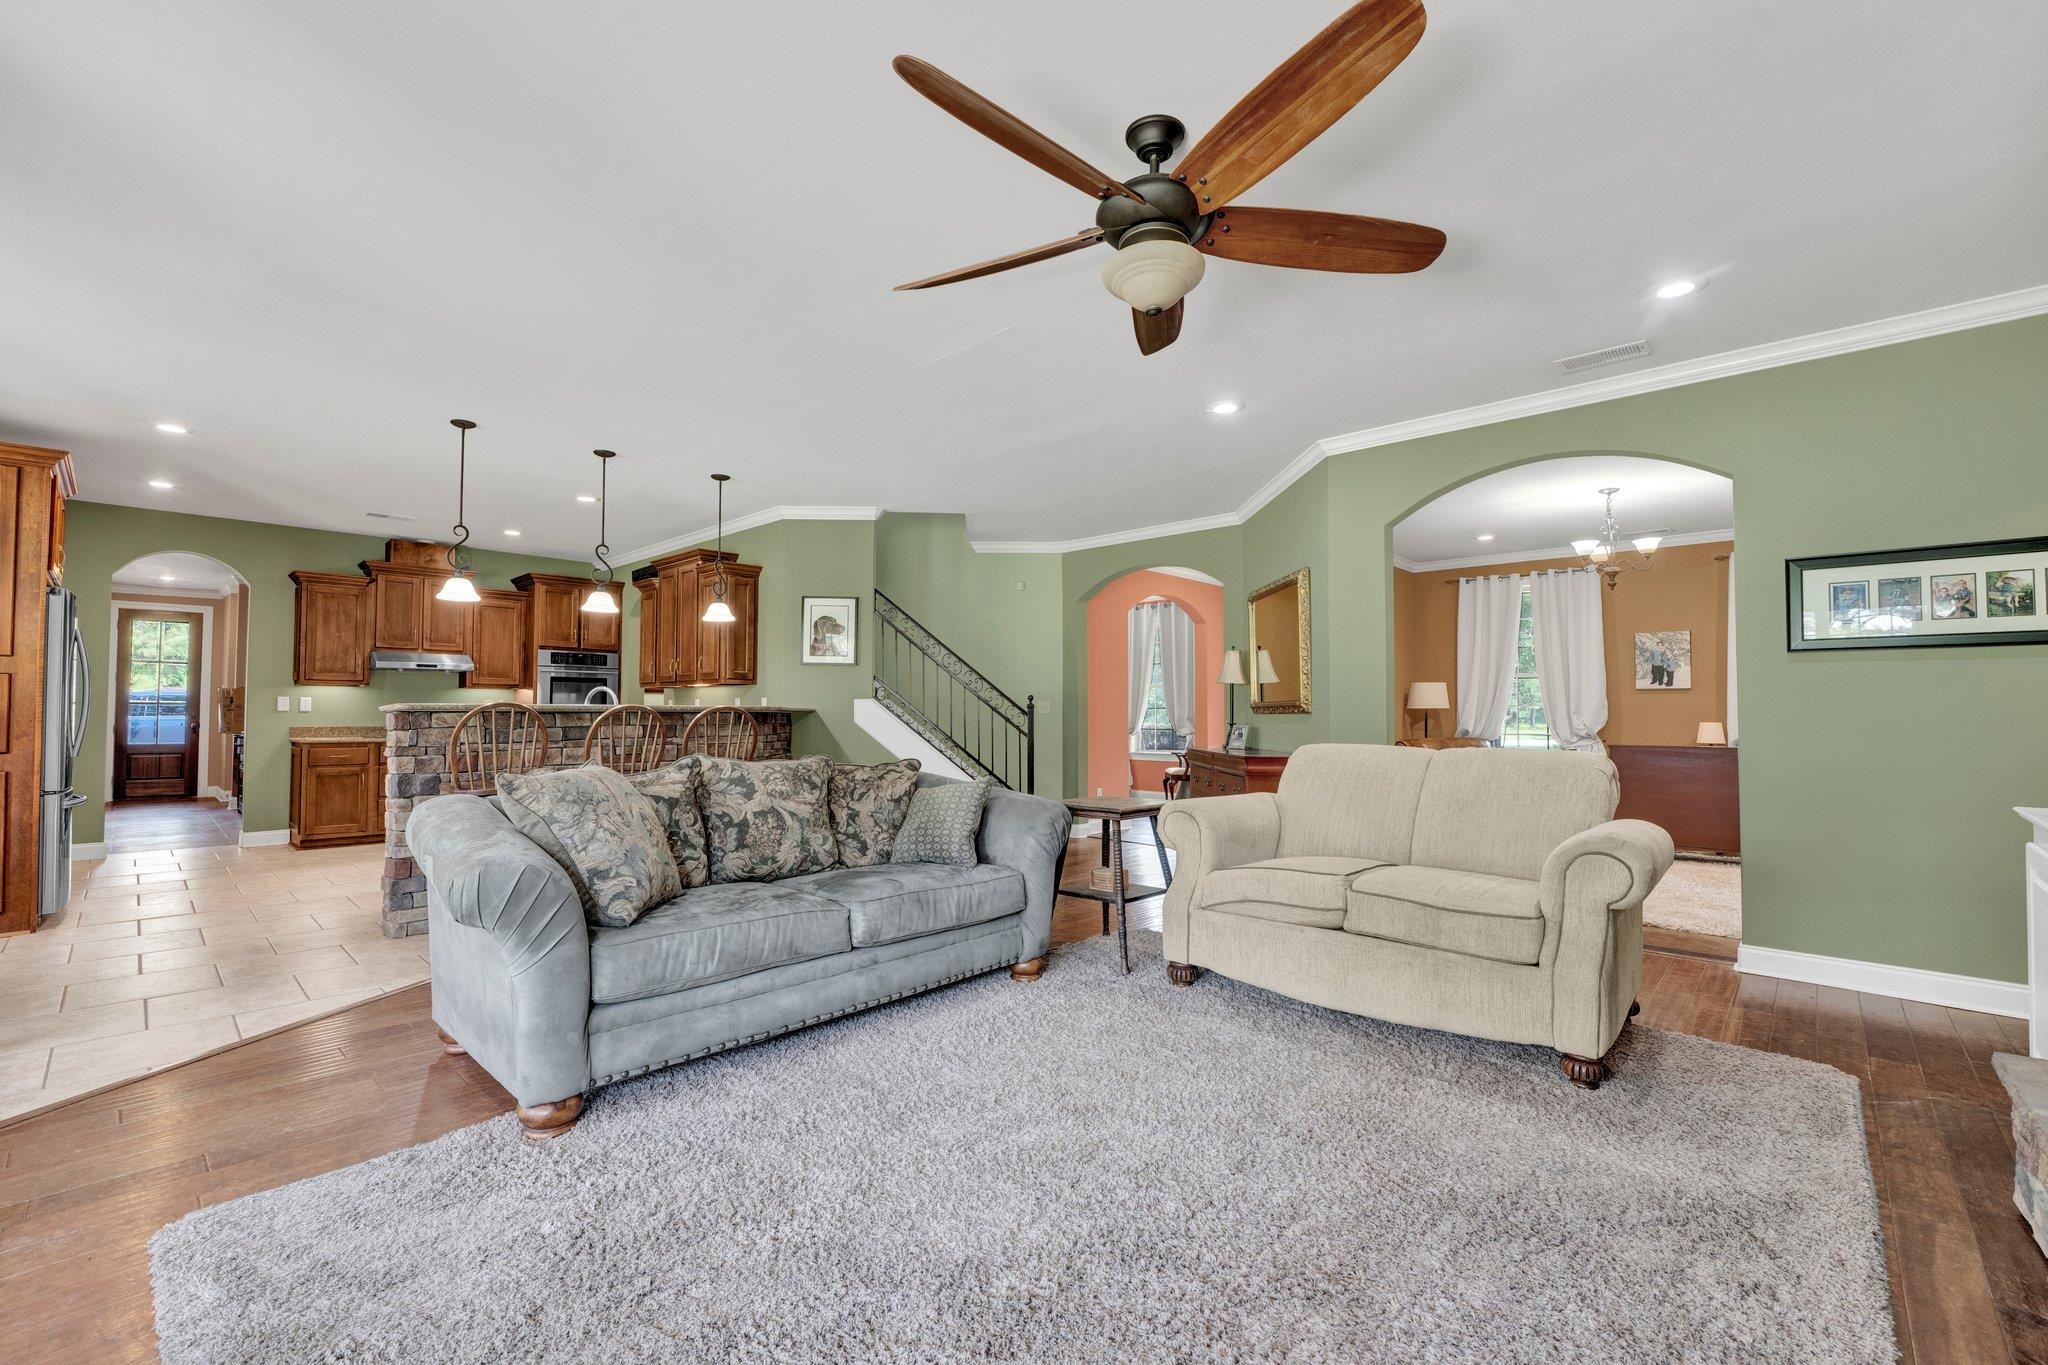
x=67, y=704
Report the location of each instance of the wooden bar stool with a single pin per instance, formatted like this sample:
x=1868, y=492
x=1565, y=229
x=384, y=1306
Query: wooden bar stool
x=499, y=737
x=628, y=739
x=723, y=732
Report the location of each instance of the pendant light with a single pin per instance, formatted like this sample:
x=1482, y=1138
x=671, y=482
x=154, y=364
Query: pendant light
x=460, y=586
x=718, y=611
x=601, y=602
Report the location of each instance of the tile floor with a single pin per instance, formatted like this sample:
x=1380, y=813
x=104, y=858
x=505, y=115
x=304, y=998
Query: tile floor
x=166, y=955
x=171, y=824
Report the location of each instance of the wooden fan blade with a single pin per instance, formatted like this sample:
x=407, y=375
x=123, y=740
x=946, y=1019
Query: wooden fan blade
x=1005, y=129
x=1088, y=237
x=1308, y=240
x=1157, y=331
x=1306, y=94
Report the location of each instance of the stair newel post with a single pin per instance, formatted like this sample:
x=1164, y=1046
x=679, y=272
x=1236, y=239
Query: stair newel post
x=1031, y=743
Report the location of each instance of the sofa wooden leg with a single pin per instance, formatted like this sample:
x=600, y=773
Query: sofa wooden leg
x=550, y=1120
x=1028, y=971
x=1585, y=1073
x=450, y=1046
x=1181, y=974
x=1635, y=1007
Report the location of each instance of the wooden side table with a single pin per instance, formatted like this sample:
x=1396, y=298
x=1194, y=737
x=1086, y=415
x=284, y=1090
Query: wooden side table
x=1113, y=811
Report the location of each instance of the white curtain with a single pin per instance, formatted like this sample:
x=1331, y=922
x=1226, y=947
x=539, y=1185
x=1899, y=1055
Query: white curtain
x=1144, y=636
x=1489, y=616
x=1571, y=654
x=1733, y=737
x=1177, y=667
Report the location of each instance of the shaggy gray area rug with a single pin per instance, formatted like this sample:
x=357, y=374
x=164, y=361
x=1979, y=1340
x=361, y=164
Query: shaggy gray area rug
x=1698, y=897
x=1087, y=1168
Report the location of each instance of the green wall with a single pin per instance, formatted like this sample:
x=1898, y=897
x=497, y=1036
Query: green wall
x=101, y=538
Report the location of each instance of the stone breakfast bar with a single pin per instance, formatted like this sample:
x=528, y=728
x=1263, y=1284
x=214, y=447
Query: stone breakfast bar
x=416, y=763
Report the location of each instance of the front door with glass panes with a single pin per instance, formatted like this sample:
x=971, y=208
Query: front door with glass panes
x=156, y=705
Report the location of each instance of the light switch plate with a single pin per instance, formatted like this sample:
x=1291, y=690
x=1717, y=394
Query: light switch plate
x=284, y=703
x=305, y=703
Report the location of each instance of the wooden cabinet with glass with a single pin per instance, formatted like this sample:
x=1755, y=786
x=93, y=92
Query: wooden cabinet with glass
x=678, y=647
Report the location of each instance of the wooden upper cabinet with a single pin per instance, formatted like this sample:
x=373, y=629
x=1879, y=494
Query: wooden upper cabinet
x=686, y=650
x=331, y=630
x=597, y=629
x=448, y=624
x=497, y=643
x=650, y=633
x=558, y=618
x=33, y=484
x=398, y=605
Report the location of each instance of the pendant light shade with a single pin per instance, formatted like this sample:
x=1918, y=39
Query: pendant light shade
x=459, y=586
x=719, y=613
x=600, y=602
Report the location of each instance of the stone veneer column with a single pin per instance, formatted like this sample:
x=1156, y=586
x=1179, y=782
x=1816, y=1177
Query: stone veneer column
x=416, y=750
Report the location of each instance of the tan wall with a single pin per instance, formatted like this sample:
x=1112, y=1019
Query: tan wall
x=227, y=650
x=1687, y=590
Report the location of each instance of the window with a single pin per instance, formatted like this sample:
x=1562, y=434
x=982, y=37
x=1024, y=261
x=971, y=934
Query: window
x=1155, y=733
x=1527, y=727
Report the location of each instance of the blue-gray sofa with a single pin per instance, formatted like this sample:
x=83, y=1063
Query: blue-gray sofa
x=553, y=1006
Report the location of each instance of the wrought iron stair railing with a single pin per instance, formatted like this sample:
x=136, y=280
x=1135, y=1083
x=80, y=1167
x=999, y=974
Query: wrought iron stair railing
x=951, y=704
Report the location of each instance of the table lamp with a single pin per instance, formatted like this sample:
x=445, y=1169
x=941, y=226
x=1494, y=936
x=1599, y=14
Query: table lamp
x=1712, y=732
x=1427, y=697
x=1232, y=675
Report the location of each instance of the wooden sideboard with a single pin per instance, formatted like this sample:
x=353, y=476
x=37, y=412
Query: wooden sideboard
x=1688, y=789
x=1227, y=772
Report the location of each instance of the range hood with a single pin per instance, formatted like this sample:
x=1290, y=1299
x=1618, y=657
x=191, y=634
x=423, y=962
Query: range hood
x=419, y=661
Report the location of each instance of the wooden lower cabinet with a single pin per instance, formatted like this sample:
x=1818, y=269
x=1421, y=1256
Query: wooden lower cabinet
x=1225, y=772
x=337, y=793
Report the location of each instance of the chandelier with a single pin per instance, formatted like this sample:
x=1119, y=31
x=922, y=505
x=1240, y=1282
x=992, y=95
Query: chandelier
x=1609, y=554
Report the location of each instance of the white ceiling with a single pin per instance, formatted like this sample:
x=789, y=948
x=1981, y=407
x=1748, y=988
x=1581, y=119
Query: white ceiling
x=189, y=574
x=313, y=233
x=1534, y=508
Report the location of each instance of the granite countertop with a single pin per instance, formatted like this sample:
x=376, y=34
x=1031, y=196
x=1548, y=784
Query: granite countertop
x=337, y=734
x=550, y=708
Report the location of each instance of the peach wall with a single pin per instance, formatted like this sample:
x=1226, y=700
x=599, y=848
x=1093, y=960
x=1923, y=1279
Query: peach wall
x=1109, y=644
x=1687, y=590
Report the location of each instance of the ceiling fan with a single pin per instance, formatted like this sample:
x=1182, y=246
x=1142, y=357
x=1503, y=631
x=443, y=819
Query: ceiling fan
x=1162, y=224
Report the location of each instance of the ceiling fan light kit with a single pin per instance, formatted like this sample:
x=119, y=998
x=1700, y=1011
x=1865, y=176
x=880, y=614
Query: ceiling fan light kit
x=1161, y=226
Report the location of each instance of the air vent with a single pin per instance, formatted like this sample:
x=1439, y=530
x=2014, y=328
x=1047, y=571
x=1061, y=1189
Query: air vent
x=390, y=516
x=1593, y=360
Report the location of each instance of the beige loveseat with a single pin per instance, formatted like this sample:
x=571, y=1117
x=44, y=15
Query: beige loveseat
x=1488, y=892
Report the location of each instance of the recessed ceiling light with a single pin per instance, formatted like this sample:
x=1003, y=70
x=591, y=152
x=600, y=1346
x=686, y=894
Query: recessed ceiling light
x=173, y=429
x=167, y=577
x=1223, y=407
x=1486, y=537
x=510, y=532
x=161, y=483
x=1676, y=289
x=585, y=497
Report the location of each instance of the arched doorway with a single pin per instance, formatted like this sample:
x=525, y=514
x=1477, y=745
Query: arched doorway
x=1128, y=749
x=176, y=678
x=1504, y=635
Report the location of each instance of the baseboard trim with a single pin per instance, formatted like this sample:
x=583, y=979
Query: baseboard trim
x=88, y=853
x=265, y=838
x=1882, y=978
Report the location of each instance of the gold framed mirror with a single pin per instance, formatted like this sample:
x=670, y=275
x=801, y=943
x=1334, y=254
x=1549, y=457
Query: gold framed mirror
x=1280, y=647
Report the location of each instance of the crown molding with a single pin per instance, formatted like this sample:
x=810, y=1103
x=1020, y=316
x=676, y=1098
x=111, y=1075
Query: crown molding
x=1060, y=547
x=747, y=523
x=1553, y=552
x=1932, y=322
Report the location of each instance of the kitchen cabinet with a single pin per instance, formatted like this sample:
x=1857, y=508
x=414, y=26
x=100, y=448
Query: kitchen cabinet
x=405, y=613
x=33, y=485
x=558, y=620
x=497, y=643
x=331, y=630
x=680, y=648
x=337, y=794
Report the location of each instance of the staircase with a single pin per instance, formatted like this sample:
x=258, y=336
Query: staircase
x=948, y=708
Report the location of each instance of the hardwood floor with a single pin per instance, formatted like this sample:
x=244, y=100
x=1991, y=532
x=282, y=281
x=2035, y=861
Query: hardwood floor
x=84, y=1186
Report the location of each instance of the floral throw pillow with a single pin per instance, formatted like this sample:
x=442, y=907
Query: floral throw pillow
x=868, y=806
x=673, y=790
x=607, y=837
x=766, y=820
x=942, y=824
